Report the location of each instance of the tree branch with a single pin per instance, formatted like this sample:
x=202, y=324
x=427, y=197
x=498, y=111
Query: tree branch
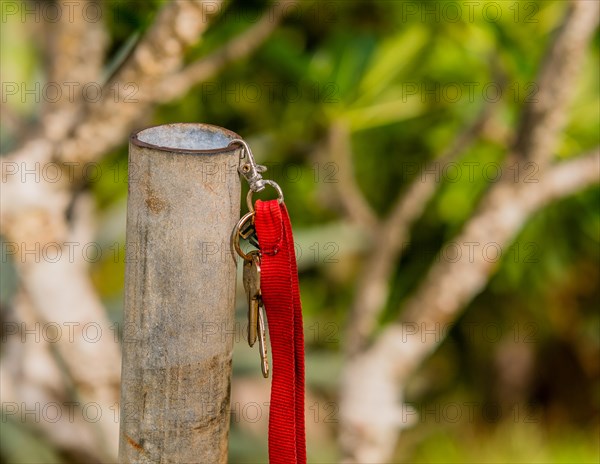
x=128, y=96
x=451, y=285
x=544, y=118
x=384, y=368
x=240, y=46
x=351, y=198
x=74, y=49
x=373, y=284
x=105, y=123
x=31, y=378
x=57, y=291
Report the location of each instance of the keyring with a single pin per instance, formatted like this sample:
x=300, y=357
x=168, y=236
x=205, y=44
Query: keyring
x=235, y=235
x=272, y=184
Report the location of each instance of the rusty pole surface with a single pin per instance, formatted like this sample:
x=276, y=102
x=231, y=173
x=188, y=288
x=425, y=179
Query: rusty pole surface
x=183, y=202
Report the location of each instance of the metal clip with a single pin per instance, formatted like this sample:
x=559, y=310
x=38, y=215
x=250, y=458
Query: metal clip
x=249, y=169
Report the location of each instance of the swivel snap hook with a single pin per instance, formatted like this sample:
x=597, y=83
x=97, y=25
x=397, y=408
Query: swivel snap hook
x=249, y=169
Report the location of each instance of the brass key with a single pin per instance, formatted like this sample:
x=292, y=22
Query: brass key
x=251, y=280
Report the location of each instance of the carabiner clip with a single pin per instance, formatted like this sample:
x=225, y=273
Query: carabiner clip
x=250, y=170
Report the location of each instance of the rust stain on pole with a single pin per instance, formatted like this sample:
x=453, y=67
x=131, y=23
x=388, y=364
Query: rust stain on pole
x=184, y=200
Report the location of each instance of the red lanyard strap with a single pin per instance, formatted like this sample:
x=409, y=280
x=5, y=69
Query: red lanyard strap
x=281, y=297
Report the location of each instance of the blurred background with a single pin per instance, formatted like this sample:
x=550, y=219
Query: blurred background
x=439, y=162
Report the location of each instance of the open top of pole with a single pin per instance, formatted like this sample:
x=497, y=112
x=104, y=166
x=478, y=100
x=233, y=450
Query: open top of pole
x=186, y=138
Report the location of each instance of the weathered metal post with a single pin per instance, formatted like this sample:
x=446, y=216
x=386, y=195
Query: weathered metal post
x=184, y=200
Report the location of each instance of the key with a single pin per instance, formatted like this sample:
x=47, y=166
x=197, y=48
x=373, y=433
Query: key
x=251, y=280
x=262, y=342
x=248, y=230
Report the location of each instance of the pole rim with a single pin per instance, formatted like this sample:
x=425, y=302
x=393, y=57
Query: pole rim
x=135, y=140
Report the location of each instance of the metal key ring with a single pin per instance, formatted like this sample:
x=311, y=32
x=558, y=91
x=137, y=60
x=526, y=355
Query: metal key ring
x=272, y=184
x=235, y=235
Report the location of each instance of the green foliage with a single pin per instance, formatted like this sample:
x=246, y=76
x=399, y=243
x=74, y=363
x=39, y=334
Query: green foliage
x=393, y=76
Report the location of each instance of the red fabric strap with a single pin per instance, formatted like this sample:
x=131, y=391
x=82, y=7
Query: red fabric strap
x=281, y=297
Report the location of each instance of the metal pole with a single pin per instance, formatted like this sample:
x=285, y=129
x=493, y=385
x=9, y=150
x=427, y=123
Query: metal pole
x=184, y=200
